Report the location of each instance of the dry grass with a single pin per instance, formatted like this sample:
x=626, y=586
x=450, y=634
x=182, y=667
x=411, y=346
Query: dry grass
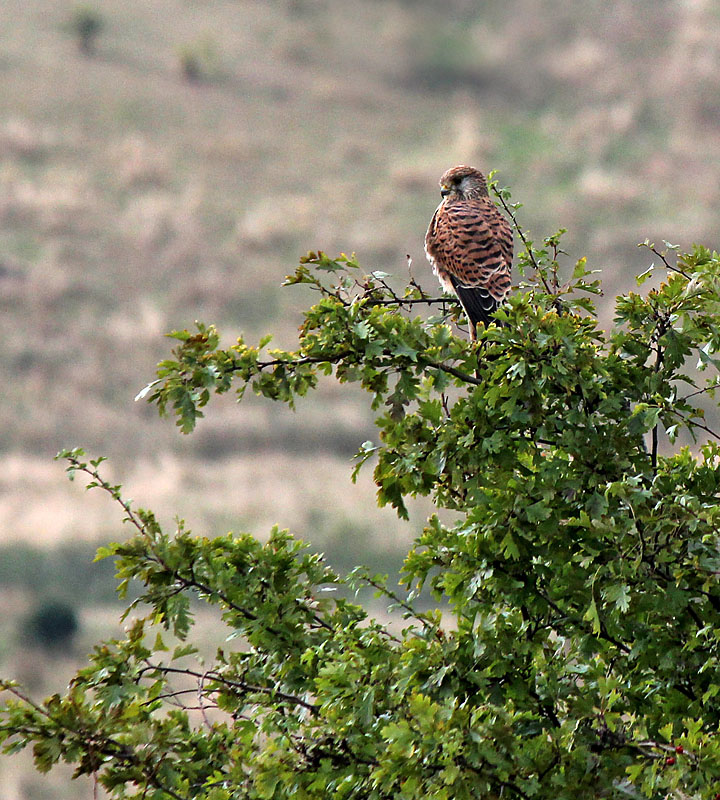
x=313, y=499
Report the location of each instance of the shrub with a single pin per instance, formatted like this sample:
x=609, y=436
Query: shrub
x=52, y=624
x=577, y=551
x=86, y=24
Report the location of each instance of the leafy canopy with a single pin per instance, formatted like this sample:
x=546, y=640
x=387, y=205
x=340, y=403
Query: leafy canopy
x=579, y=656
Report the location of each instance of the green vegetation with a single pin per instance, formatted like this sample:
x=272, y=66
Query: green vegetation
x=57, y=572
x=86, y=25
x=579, y=656
x=51, y=625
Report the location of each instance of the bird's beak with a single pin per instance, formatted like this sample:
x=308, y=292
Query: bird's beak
x=444, y=189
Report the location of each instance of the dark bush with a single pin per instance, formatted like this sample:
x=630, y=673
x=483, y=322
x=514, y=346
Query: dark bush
x=86, y=24
x=52, y=624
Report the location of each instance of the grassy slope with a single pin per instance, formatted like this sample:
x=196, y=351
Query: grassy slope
x=133, y=202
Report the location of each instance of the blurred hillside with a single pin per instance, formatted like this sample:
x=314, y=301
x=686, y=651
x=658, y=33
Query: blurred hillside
x=179, y=171
x=135, y=200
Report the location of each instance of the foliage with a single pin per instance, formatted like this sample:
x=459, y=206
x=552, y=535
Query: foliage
x=578, y=554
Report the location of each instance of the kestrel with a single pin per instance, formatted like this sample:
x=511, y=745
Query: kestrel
x=470, y=245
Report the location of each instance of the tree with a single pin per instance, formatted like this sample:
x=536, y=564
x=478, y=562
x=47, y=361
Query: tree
x=579, y=655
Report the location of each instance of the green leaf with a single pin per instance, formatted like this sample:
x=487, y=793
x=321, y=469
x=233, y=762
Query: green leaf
x=619, y=594
x=591, y=615
x=643, y=276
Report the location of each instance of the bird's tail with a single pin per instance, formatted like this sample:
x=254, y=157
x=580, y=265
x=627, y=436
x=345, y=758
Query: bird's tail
x=478, y=303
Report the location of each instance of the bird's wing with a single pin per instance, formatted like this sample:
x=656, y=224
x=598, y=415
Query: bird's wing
x=472, y=242
x=503, y=234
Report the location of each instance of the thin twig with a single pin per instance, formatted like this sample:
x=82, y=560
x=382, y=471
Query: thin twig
x=233, y=684
x=693, y=424
x=663, y=258
x=455, y=372
x=511, y=213
x=699, y=391
x=336, y=357
x=528, y=249
x=131, y=517
x=411, y=301
x=400, y=602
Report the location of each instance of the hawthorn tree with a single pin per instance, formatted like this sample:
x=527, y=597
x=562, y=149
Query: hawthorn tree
x=579, y=655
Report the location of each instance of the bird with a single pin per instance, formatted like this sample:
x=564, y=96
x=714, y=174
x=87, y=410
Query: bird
x=469, y=244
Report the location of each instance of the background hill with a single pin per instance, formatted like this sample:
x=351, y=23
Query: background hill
x=134, y=200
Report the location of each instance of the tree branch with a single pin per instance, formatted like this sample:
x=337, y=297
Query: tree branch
x=105, y=745
x=217, y=677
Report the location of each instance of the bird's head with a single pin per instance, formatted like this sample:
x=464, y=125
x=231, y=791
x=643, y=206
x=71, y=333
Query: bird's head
x=463, y=183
